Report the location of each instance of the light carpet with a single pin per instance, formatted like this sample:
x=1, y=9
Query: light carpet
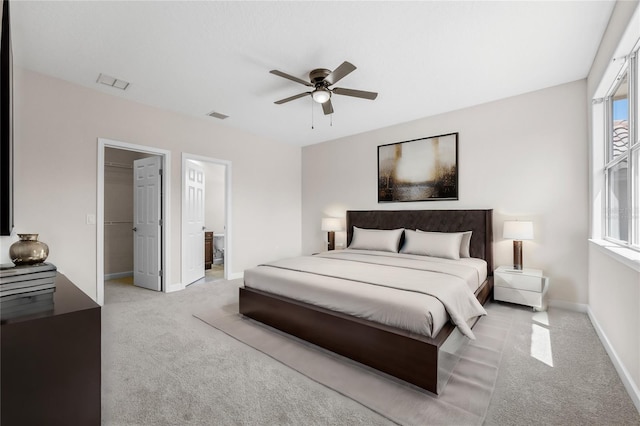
x=163, y=366
x=464, y=400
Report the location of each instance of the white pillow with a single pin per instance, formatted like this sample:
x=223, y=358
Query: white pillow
x=436, y=244
x=464, y=244
x=376, y=239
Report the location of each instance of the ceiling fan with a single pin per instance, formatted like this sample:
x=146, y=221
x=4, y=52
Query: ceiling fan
x=321, y=79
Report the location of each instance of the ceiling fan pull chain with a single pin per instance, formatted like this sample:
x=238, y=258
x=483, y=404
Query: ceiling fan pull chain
x=311, y=113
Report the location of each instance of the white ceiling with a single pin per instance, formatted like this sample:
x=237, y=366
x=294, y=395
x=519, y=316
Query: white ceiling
x=423, y=58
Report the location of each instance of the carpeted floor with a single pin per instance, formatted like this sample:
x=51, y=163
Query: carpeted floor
x=464, y=401
x=161, y=366
x=215, y=273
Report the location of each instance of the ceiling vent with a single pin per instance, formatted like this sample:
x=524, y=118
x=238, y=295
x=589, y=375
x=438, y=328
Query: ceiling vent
x=112, y=81
x=217, y=115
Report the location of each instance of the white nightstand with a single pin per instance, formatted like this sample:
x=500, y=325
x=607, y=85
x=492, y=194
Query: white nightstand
x=526, y=287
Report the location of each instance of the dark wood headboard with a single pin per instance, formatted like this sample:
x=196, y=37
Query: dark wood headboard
x=478, y=221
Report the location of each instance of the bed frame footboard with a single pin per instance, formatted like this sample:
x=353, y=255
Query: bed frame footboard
x=407, y=356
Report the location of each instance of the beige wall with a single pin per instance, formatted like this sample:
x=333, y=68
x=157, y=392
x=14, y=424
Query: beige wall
x=57, y=125
x=525, y=157
x=214, y=197
x=614, y=287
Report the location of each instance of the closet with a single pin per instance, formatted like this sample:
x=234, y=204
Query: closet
x=118, y=212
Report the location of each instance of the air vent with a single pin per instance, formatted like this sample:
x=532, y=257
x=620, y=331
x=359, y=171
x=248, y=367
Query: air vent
x=112, y=81
x=217, y=115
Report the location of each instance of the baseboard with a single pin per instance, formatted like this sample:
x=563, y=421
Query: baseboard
x=174, y=287
x=235, y=275
x=118, y=275
x=627, y=381
x=569, y=306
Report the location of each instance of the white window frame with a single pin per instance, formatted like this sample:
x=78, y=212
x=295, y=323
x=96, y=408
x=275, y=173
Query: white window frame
x=631, y=69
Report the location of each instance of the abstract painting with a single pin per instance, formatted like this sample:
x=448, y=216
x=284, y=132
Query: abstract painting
x=423, y=169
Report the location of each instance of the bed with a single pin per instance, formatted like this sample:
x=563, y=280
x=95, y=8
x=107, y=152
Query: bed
x=423, y=357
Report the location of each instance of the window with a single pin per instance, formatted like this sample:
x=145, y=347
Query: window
x=622, y=159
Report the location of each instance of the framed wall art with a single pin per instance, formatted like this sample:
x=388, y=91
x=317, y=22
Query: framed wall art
x=423, y=169
x=6, y=124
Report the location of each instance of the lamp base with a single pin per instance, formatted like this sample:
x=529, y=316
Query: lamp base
x=517, y=255
x=332, y=240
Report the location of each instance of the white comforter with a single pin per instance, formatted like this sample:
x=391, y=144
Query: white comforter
x=415, y=293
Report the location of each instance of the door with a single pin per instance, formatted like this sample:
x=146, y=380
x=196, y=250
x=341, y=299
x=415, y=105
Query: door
x=147, y=221
x=194, y=221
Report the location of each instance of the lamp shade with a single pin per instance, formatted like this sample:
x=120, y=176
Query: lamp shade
x=517, y=230
x=331, y=224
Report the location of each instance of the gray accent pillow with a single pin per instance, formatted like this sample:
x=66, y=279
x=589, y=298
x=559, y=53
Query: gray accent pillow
x=376, y=239
x=464, y=244
x=436, y=244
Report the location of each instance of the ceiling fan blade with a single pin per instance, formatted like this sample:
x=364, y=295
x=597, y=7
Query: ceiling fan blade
x=290, y=77
x=327, y=107
x=355, y=93
x=339, y=73
x=292, y=98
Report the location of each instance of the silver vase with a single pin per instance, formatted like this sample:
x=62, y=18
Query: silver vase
x=28, y=250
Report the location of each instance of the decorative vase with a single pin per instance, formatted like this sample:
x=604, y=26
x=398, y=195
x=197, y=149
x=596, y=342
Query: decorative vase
x=28, y=250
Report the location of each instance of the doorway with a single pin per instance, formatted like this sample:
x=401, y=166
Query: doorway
x=125, y=236
x=206, y=218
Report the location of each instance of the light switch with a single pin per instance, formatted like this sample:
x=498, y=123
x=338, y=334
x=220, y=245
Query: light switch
x=91, y=219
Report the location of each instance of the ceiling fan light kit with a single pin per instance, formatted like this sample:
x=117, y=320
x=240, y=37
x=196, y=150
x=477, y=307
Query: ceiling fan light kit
x=321, y=95
x=321, y=79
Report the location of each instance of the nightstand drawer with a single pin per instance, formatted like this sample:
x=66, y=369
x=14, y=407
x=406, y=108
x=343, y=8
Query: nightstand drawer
x=517, y=281
x=521, y=297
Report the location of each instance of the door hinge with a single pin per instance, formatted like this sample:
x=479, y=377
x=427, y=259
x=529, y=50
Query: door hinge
x=161, y=222
x=160, y=172
x=160, y=273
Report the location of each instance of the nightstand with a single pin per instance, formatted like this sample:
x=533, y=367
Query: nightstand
x=526, y=287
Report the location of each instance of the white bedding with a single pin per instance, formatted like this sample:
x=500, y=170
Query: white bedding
x=415, y=293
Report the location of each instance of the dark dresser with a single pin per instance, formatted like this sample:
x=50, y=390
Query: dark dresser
x=50, y=362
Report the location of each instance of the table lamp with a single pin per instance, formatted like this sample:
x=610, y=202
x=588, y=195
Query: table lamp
x=331, y=225
x=517, y=231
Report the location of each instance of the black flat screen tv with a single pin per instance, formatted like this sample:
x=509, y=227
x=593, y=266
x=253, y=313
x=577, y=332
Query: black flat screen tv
x=6, y=125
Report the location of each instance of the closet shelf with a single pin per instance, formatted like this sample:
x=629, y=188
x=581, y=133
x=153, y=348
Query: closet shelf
x=120, y=165
x=118, y=222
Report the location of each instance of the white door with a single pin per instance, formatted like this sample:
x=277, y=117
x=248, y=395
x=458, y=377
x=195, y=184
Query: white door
x=194, y=221
x=147, y=184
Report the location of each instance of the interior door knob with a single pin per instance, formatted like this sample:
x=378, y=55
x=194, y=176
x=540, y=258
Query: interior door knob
x=135, y=229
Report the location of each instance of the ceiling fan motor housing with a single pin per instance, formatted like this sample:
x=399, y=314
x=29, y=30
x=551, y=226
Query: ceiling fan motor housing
x=318, y=75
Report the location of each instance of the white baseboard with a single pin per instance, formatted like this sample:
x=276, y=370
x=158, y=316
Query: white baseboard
x=569, y=306
x=235, y=275
x=174, y=287
x=627, y=381
x=118, y=275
